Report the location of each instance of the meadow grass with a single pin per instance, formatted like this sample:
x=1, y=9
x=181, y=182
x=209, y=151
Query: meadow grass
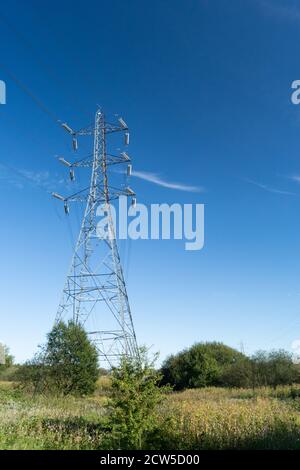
x=215, y=418
x=210, y=418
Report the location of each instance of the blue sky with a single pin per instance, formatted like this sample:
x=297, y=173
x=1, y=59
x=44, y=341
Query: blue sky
x=205, y=87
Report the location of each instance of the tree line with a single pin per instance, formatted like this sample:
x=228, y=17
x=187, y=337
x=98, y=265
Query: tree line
x=215, y=364
x=68, y=364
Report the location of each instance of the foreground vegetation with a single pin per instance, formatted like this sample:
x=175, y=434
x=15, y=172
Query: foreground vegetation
x=208, y=418
x=209, y=396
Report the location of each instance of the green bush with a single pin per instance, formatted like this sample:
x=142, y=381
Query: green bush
x=214, y=364
x=132, y=408
x=204, y=364
x=274, y=368
x=239, y=374
x=67, y=364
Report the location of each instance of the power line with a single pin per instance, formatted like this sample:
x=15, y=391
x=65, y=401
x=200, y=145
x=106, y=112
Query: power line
x=47, y=69
x=26, y=90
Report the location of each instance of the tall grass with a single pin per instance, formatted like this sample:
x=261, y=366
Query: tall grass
x=211, y=418
x=231, y=419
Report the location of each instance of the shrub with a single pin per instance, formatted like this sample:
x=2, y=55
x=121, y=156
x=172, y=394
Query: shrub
x=135, y=395
x=215, y=364
x=274, y=368
x=67, y=364
x=202, y=365
x=239, y=374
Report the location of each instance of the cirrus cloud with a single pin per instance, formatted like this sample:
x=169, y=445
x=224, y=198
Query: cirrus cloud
x=156, y=179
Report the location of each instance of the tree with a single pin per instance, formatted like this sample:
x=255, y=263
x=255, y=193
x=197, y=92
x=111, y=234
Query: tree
x=133, y=404
x=202, y=365
x=274, y=368
x=34, y=375
x=67, y=364
x=239, y=374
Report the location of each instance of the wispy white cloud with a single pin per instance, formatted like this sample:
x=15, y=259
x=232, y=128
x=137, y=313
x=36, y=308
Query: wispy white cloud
x=156, y=179
x=295, y=178
x=270, y=189
x=20, y=178
x=40, y=178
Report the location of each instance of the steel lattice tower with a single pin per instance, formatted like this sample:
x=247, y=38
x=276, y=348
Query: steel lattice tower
x=95, y=293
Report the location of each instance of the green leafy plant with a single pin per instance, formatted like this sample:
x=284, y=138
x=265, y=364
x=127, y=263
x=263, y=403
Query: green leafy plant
x=67, y=364
x=132, y=408
x=201, y=365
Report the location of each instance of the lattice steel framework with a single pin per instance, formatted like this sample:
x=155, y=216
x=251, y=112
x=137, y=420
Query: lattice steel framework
x=95, y=293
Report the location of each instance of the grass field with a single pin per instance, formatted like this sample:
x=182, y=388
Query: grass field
x=211, y=418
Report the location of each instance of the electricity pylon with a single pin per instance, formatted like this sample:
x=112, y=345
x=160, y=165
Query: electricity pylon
x=95, y=293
